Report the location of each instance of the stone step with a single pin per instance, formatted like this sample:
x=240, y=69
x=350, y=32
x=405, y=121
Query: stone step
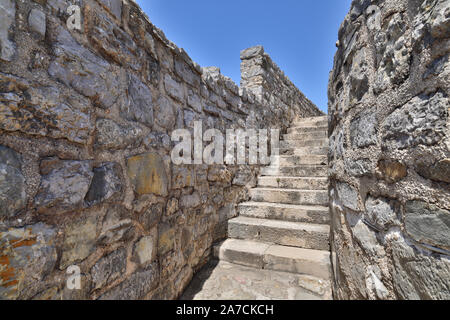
x=285, y=212
x=319, y=121
x=259, y=255
x=290, y=196
x=286, y=144
x=304, y=151
x=307, y=136
x=311, y=123
x=302, y=183
x=299, y=160
x=285, y=233
x=307, y=129
x=296, y=171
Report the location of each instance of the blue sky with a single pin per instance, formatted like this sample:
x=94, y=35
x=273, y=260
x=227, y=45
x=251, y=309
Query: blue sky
x=299, y=35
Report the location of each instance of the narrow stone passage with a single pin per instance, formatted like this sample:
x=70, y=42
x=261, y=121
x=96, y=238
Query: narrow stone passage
x=278, y=246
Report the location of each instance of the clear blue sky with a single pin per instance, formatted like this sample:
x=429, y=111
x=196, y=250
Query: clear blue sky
x=299, y=35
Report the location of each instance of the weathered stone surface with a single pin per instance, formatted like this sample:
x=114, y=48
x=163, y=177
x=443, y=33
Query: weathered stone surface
x=417, y=276
x=422, y=121
x=182, y=177
x=148, y=174
x=158, y=141
x=252, y=52
x=439, y=171
x=139, y=106
x=151, y=216
x=172, y=206
x=37, y=21
x=106, y=183
x=359, y=167
x=111, y=42
x=136, y=286
x=194, y=101
x=109, y=268
x=43, y=111
x=391, y=170
x=190, y=201
x=393, y=53
x=64, y=184
x=27, y=255
x=166, y=238
x=145, y=250
x=348, y=195
x=116, y=226
x=13, y=197
x=185, y=72
x=387, y=91
x=79, y=241
x=359, y=80
x=363, y=130
x=382, y=213
x=367, y=239
x=174, y=88
x=433, y=18
x=111, y=135
x=165, y=113
x=79, y=68
x=7, y=17
x=428, y=224
x=114, y=6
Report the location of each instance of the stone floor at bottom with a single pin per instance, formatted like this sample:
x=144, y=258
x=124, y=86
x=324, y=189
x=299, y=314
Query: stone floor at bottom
x=220, y=280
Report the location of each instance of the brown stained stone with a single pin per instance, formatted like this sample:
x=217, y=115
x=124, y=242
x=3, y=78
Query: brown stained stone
x=148, y=174
x=391, y=171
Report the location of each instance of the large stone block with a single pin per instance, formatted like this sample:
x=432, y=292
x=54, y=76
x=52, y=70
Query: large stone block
x=393, y=50
x=13, y=197
x=111, y=135
x=64, y=185
x=174, y=88
x=165, y=113
x=422, y=121
x=27, y=255
x=418, y=276
x=7, y=18
x=111, y=42
x=438, y=171
x=43, y=111
x=139, y=105
x=145, y=250
x=79, y=68
x=79, y=240
x=114, y=6
x=428, y=224
x=106, y=184
x=363, y=130
x=117, y=226
x=37, y=21
x=148, y=175
x=136, y=286
x=348, y=195
x=109, y=268
x=382, y=213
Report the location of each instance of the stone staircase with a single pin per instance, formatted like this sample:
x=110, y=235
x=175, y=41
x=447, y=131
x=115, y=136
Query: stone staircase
x=285, y=226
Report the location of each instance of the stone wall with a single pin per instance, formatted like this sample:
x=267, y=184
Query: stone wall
x=85, y=172
x=390, y=151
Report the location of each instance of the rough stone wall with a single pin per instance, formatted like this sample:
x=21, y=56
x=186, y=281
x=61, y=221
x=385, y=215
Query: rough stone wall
x=389, y=151
x=85, y=172
x=261, y=76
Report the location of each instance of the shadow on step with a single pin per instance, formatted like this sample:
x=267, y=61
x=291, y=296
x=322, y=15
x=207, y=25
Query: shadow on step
x=199, y=280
